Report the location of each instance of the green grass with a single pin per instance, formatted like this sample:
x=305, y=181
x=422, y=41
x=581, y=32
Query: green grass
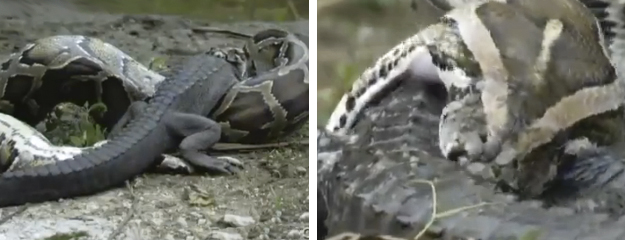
x=68, y=236
x=327, y=98
x=219, y=10
x=72, y=125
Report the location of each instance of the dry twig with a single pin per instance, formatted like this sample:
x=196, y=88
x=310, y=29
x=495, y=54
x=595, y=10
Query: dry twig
x=13, y=214
x=435, y=215
x=200, y=29
x=238, y=146
x=128, y=217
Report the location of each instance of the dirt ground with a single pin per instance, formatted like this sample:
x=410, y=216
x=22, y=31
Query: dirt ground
x=268, y=200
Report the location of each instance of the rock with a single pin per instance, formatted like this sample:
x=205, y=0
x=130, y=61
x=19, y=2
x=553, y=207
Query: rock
x=217, y=235
x=476, y=168
x=294, y=233
x=18, y=229
x=304, y=216
x=182, y=222
x=277, y=218
x=237, y=221
x=301, y=170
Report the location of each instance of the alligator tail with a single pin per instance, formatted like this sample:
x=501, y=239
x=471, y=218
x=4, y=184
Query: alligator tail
x=93, y=171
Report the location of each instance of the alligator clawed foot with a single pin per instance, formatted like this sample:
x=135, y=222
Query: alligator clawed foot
x=173, y=164
x=220, y=165
x=233, y=161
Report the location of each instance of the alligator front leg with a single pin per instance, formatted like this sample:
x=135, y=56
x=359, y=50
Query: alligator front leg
x=133, y=111
x=7, y=107
x=199, y=133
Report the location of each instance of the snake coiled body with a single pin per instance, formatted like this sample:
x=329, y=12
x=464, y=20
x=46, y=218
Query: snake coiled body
x=79, y=69
x=265, y=104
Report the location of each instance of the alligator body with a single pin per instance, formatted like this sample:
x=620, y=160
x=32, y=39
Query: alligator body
x=373, y=184
x=23, y=147
x=173, y=118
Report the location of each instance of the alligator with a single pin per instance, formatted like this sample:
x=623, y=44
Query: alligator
x=173, y=118
x=374, y=185
x=79, y=69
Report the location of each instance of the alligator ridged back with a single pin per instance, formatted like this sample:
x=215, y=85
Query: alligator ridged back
x=368, y=186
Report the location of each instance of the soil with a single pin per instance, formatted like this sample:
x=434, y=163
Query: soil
x=268, y=200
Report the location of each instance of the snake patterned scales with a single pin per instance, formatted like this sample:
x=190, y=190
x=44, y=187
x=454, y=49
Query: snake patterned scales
x=263, y=106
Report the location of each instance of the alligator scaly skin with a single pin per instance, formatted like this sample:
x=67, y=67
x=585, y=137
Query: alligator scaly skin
x=192, y=91
x=368, y=187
